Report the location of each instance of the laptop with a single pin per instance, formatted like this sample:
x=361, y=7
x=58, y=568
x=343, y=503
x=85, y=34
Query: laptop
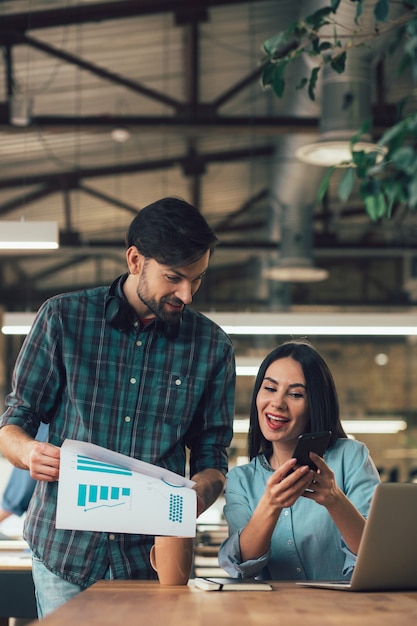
x=387, y=555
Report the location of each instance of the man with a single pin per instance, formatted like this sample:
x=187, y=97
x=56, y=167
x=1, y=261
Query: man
x=132, y=369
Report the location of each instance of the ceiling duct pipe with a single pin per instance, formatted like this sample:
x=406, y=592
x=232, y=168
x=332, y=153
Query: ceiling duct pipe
x=296, y=263
x=343, y=105
x=346, y=98
x=293, y=193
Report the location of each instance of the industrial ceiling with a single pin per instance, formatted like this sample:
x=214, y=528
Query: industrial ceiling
x=179, y=82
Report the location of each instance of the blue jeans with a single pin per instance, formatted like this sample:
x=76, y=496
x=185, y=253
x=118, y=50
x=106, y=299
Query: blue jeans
x=51, y=591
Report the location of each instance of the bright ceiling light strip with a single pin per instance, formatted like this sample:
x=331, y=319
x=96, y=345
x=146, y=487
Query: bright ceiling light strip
x=17, y=323
x=15, y=330
x=301, y=324
x=322, y=330
x=374, y=426
x=28, y=245
x=25, y=235
x=364, y=426
x=246, y=370
x=361, y=324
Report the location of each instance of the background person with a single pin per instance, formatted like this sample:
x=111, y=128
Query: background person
x=130, y=368
x=277, y=529
x=19, y=487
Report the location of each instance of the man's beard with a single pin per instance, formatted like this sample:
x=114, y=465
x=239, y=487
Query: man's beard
x=170, y=318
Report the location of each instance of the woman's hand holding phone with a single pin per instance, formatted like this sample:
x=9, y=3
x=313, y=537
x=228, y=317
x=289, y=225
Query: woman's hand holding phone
x=284, y=487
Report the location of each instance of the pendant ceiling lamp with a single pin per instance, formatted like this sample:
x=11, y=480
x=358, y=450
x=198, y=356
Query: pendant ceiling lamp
x=23, y=235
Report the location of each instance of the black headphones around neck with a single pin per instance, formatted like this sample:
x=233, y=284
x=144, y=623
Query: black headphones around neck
x=119, y=313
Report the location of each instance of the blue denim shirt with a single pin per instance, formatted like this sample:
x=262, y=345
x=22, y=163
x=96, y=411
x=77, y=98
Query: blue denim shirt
x=306, y=544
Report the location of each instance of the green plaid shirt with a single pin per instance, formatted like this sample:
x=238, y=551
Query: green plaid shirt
x=135, y=392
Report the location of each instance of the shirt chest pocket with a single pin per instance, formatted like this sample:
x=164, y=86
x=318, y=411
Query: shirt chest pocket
x=172, y=399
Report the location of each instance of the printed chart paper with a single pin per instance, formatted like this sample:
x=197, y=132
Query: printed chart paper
x=106, y=491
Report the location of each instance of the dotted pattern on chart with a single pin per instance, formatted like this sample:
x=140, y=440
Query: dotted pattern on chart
x=175, y=508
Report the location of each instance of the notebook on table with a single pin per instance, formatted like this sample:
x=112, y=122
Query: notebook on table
x=231, y=584
x=387, y=555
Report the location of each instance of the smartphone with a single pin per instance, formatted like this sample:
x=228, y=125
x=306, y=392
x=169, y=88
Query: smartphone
x=311, y=442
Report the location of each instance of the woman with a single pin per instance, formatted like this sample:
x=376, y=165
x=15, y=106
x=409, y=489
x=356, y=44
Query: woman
x=303, y=524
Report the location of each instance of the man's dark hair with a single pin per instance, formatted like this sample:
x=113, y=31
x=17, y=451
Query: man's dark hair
x=171, y=231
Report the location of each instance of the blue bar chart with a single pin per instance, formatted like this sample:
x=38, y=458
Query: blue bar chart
x=92, y=495
x=102, y=490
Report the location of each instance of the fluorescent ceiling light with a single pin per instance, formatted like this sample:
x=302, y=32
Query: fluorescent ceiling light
x=335, y=153
x=247, y=366
x=17, y=323
x=372, y=426
x=287, y=274
x=332, y=324
x=25, y=235
x=301, y=324
x=363, y=426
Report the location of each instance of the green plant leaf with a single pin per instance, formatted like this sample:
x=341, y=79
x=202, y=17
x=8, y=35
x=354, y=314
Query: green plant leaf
x=375, y=206
x=313, y=82
x=364, y=128
x=346, y=184
x=403, y=158
x=267, y=74
x=338, y=63
x=410, y=123
x=358, y=10
x=363, y=161
x=318, y=19
x=394, y=193
x=381, y=10
x=394, y=133
x=276, y=42
x=302, y=83
x=325, y=45
x=322, y=190
x=278, y=80
x=412, y=193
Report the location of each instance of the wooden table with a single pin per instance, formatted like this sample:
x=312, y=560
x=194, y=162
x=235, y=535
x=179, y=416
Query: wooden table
x=146, y=602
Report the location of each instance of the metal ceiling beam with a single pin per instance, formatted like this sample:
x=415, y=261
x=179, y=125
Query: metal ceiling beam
x=245, y=208
x=342, y=250
x=71, y=179
x=103, y=11
x=120, y=204
x=117, y=79
x=27, y=198
x=202, y=120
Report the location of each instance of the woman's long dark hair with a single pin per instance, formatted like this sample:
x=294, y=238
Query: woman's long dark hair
x=323, y=404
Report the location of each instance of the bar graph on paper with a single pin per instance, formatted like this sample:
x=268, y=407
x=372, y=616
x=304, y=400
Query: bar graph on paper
x=101, y=490
x=92, y=496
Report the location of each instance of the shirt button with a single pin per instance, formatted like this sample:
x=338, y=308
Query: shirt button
x=289, y=542
x=298, y=570
x=139, y=343
x=286, y=513
x=178, y=382
x=133, y=381
x=127, y=418
x=111, y=537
